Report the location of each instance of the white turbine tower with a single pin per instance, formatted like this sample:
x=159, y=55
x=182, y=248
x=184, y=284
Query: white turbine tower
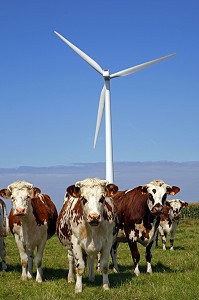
x=105, y=100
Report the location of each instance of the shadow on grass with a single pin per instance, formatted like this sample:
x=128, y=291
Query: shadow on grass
x=124, y=275
x=14, y=268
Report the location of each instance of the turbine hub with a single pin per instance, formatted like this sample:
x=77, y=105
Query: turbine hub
x=106, y=74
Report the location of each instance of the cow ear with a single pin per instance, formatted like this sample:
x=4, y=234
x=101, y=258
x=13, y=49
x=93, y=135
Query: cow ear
x=36, y=191
x=144, y=189
x=5, y=193
x=73, y=191
x=173, y=190
x=184, y=204
x=111, y=189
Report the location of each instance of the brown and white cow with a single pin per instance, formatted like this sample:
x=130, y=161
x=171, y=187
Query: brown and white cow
x=85, y=227
x=169, y=220
x=32, y=221
x=4, y=229
x=138, y=212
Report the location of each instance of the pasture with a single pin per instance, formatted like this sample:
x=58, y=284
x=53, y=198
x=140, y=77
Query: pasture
x=175, y=274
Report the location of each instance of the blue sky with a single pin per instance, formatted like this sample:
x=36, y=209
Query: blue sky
x=49, y=95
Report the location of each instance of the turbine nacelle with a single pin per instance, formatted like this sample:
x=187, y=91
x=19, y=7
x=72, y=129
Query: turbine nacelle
x=106, y=74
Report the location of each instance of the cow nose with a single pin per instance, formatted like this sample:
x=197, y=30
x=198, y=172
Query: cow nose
x=20, y=211
x=157, y=209
x=94, y=219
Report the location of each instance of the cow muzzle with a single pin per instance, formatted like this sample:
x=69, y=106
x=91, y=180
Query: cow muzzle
x=157, y=209
x=20, y=212
x=94, y=219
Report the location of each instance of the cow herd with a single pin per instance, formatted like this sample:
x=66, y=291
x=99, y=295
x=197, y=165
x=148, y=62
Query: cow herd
x=94, y=219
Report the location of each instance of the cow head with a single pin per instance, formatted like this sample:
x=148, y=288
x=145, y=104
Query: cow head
x=20, y=193
x=93, y=194
x=175, y=206
x=157, y=191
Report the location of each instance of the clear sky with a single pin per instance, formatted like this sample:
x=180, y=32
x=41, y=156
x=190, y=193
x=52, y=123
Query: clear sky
x=49, y=95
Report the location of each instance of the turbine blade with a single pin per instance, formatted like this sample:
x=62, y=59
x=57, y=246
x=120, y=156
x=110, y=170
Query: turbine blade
x=139, y=67
x=99, y=114
x=83, y=55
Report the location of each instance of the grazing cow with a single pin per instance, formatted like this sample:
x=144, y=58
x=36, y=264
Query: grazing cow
x=32, y=221
x=4, y=229
x=138, y=213
x=85, y=227
x=169, y=220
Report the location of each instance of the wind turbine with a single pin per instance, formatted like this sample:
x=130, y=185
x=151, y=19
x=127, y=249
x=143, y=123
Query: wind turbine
x=105, y=99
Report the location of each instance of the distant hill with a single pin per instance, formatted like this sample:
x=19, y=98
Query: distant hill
x=54, y=180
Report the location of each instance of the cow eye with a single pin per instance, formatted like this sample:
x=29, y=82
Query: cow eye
x=84, y=200
x=154, y=191
x=101, y=200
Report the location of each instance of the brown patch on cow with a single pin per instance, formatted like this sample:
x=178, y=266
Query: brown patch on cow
x=44, y=210
x=63, y=227
x=13, y=220
x=77, y=212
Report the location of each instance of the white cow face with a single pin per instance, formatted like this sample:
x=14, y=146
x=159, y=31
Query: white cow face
x=157, y=192
x=93, y=194
x=20, y=193
x=175, y=206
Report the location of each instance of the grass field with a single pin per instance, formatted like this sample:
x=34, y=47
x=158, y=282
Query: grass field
x=175, y=274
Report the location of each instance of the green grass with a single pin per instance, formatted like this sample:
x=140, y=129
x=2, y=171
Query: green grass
x=175, y=274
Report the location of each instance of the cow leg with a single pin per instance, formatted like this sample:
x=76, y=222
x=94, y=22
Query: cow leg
x=71, y=267
x=3, y=253
x=114, y=249
x=30, y=264
x=104, y=266
x=38, y=261
x=135, y=256
x=148, y=258
x=164, y=240
x=80, y=266
x=23, y=256
x=163, y=237
x=90, y=260
x=156, y=238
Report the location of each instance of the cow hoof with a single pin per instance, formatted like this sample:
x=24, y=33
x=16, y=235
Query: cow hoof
x=4, y=268
x=149, y=272
x=78, y=289
x=116, y=270
x=106, y=287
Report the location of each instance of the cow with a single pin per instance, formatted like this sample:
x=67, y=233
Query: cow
x=85, y=227
x=4, y=229
x=138, y=212
x=169, y=220
x=32, y=221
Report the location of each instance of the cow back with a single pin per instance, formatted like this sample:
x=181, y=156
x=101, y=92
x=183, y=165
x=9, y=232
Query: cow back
x=131, y=206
